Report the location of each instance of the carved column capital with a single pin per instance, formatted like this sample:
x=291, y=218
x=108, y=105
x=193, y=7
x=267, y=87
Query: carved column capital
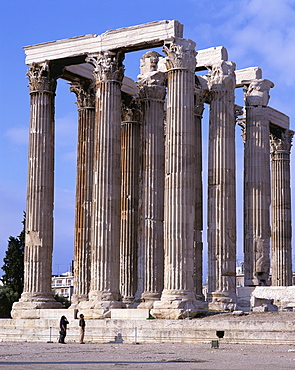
x=242, y=123
x=85, y=93
x=40, y=78
x=256, y=93
x=108, y=66
x=181, y=54
x=222, y=77
x=200, y=97
x=131, y=112
x=151, y=82
x=282, y=143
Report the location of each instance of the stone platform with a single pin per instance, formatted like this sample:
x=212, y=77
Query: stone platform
x=255, y=328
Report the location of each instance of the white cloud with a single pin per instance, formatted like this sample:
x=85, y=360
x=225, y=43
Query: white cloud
x=18, y=135
x=256, y=33
x=265, y=31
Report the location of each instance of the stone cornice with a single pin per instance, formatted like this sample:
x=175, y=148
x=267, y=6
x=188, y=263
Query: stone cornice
x=132, y=38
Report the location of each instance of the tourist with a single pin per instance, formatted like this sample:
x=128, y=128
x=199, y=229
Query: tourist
x=82, y=328
x=62, y=329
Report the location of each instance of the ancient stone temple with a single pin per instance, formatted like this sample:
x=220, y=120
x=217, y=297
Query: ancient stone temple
x=139, y=191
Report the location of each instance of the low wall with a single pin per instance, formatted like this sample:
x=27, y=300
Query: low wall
x=264, y=328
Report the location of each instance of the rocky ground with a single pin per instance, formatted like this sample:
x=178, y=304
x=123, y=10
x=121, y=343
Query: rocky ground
x=145, y=356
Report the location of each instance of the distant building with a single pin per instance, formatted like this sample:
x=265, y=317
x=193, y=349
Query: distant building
x=240, y=278
x=240, y=274
x=63, y=284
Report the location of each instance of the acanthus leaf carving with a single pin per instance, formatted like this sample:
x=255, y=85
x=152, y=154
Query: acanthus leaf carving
x=108, y=66
x=40, y=79
x=85, y=93
x=200, y=97
x=131, y=112
x=151, y=81
x=257, y=92
x=282, y=143
x=222, y=76
x=181, y=54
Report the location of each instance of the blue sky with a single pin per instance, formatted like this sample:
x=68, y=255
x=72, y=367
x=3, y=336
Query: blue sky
x=255, y=33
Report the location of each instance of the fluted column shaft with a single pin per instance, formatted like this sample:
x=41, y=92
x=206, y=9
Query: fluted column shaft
x=105, y=236
x=179, y=184
x=40, y=192
x=198, y=243
x=130, y=158
x=85, y=93
x=281, y=208
x=257, y=185
x=222, y=187
x=152, y=95
x=179, y=295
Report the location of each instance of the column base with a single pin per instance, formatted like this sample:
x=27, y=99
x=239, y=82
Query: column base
x=129, y=302
x=223, y=301
x=29, y=305
x=100, y=304
x=148, y=299
x=178, y=305
x=98, y=309
x=77, y=298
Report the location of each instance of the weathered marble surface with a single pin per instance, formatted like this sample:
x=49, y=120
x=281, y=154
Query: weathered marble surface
x=263, y=328
x=130, y=38
x=129, y=177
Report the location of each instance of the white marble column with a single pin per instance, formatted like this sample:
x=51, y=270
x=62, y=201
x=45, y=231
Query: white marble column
x=222, y=188
x=257, y=184
x=130, y=161
x=179, y=299
x=105, y=230
x=37, y=291
x=152, y=94
x=85, y=92
x=281, y=141
x=200, y=96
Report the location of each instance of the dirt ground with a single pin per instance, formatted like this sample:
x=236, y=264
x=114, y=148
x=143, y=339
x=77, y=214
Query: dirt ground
x=145, y=356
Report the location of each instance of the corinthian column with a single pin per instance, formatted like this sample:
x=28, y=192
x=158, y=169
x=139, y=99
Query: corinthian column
x=179, y=298
x=130, y=159
x=105, y=229
x=257, y=184
x=222, y=188
x=85, y=93
x=40, y=193
x=281, y=141
x=152, y=95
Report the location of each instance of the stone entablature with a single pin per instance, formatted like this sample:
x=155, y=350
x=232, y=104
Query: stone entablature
x=138, y=230
x=129, y=39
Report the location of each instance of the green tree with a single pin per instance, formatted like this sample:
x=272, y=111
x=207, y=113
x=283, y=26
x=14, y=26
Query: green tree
x=63, y=300
x=7, y=298
x=13, y=277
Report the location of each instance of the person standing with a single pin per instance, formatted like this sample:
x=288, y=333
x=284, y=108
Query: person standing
x=62, y=329
x=82, y=328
